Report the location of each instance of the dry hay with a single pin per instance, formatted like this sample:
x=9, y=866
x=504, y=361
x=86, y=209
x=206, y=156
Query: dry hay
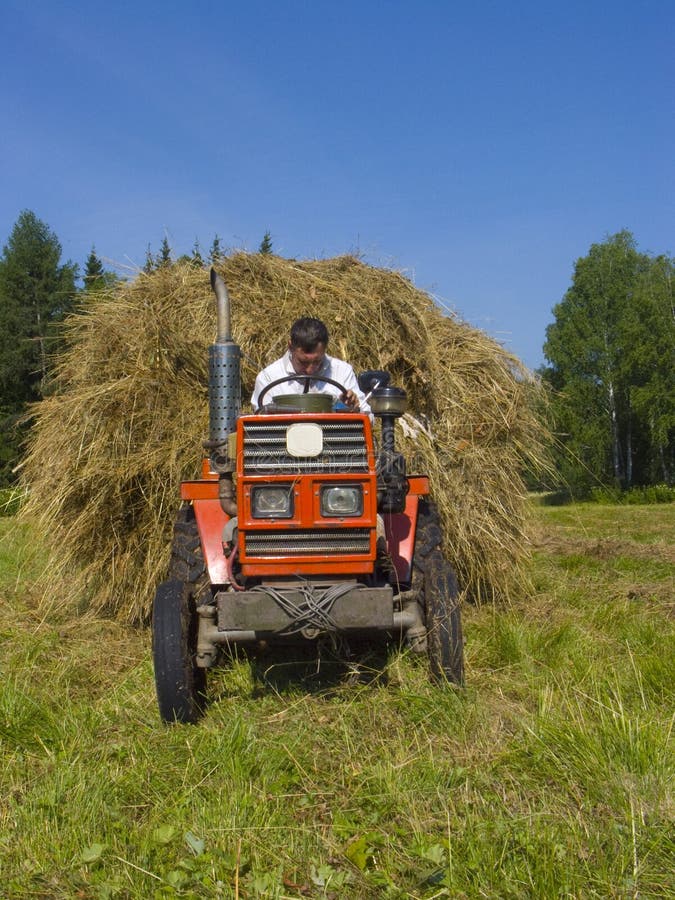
x=129, y=411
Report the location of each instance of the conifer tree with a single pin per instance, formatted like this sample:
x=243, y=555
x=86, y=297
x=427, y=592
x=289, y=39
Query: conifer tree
x=197, y=259
x=150, y=261
x=266, y=243
x=94, y=273
x=36, y=292
x=216, y=251
x=164, y=255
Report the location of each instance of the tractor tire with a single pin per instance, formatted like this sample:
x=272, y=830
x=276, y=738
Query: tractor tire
x=435, y=579
x=180, y=683
x=187, y=561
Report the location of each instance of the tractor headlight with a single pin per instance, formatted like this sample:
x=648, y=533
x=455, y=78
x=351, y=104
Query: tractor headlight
x=342, y=500
x=272, y=501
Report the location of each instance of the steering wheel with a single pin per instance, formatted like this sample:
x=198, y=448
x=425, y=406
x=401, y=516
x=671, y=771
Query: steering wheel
x=305, y=378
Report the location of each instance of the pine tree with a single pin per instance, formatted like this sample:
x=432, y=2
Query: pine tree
x=197, y=259
x=94, y=273
x=164, y=255
x=266, y=243
x=36, y=292
x=216, y=251
x=150, y=261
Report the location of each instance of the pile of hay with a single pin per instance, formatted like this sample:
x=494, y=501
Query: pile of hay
x=129, y=412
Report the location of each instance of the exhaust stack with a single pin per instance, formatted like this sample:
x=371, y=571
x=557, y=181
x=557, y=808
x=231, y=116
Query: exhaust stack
x=224, y=335
x=224, y=380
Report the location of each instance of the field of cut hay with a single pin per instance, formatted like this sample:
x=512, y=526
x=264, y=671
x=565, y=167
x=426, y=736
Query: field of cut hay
x=128, y=414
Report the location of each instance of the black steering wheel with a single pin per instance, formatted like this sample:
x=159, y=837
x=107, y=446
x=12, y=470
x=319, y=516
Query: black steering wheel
x=305, y=378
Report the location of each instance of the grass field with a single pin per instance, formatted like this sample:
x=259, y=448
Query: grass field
x=550, y=775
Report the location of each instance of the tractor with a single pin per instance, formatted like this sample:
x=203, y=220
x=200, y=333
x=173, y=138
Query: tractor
x=304, y=526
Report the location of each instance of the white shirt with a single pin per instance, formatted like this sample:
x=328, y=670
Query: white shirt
x=337, y=369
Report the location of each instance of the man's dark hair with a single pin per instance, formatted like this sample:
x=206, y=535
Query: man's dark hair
x=306, y=333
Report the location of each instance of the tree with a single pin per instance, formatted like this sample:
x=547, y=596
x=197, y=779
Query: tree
x=150, y=261
x=653, y=394
x=216, y=251
x=36, y=292
x=601, y=348
x=94, y=273
x=96, y=278
x=164, y=255
x=266, y=243
x=197, y=259
x=93, y=268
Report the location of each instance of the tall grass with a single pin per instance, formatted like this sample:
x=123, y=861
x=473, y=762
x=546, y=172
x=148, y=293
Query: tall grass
x=549, y=776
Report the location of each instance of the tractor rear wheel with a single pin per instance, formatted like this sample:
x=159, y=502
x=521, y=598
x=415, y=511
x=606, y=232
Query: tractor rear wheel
x=180, y=683
x=435, y=579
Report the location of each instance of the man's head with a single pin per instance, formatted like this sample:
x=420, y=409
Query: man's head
x=307, y=345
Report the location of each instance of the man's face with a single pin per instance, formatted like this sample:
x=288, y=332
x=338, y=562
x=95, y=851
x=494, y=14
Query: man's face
x=307, y=362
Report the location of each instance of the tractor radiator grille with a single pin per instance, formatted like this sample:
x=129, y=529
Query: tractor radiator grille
x=344, y=450
x=327, y=541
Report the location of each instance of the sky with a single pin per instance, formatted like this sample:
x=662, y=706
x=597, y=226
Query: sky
x=478, y=148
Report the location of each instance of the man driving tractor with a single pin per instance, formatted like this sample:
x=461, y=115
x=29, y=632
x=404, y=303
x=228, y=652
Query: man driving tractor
x=306, y=356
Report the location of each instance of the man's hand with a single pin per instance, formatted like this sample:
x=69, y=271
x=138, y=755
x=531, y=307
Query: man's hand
x=352, y=401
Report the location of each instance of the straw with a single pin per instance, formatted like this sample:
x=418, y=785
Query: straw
x=129, y=411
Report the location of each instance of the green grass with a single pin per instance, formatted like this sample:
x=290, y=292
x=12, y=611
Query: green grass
x=656, y=493
x=10, y=500
x=548, y=776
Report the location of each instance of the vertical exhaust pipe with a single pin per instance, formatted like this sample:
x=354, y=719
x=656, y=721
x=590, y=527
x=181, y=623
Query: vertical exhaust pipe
x=219, y=288
x=224, y=380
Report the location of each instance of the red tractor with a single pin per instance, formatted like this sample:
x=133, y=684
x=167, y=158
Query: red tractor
x=302, y=526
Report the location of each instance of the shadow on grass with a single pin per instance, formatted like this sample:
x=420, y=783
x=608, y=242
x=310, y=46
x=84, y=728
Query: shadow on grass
x=314, y=668
x=553, y=498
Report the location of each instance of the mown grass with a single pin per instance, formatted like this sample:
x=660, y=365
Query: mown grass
x=549, y=776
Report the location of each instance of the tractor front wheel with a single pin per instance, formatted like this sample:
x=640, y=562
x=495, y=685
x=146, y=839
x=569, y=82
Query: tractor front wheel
x=180, y=683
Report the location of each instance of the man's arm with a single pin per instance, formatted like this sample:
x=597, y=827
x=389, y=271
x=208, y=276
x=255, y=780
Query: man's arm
x=261, y=380
x=266, y=376
x=354, y=396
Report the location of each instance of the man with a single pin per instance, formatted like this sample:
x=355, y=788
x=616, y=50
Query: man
x=306, y=355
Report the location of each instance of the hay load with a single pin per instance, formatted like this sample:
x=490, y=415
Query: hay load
x=129, y=412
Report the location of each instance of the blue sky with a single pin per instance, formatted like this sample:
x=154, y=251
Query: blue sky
x=479, y=148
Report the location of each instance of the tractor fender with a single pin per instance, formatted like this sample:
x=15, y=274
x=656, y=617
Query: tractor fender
x=210, y=523
x=400, y=528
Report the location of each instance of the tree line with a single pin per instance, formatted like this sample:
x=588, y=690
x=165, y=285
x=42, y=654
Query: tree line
x=37, y=291
x=610, y=369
